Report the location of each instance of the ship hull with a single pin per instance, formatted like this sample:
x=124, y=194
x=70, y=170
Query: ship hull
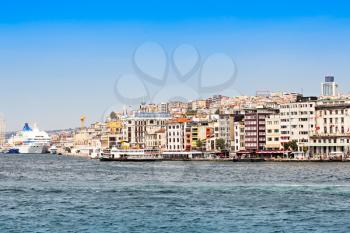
x=104, y=159
x=33, y=149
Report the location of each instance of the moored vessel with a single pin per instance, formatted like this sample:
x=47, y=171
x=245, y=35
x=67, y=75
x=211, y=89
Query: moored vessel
x=53, y=150
x=132, y=155
x=30, y=141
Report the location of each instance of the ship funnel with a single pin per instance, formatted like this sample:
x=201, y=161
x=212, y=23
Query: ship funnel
x=27, y=127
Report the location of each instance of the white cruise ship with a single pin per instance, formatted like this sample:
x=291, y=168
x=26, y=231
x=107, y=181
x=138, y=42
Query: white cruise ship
x=31, y=141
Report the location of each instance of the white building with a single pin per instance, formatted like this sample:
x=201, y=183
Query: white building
x=175, y=132
x=163, y=107
x=297, y=123
x=332, y=134
x=239, y=136
x=329, y=88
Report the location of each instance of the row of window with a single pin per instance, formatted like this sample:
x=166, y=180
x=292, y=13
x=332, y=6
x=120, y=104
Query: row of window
x=335, y=112
x=276, y=139
x=335, y=120
x=332, y=130
x=175, y=140
x=175, y=127
x=332, y=140
x=297, y=113
x=304, y=105
x=175, y=134
x=170, y=147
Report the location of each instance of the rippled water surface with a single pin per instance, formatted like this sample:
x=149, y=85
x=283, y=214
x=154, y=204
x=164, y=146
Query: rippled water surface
x=46, y=193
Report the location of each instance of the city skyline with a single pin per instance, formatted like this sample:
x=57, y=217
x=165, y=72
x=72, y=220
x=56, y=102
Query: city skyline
x=52, y=62
x=174, y=116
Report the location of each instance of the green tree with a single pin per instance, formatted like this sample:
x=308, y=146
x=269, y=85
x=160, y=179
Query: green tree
x=292, y=145
x=199, y=144
x=305, y=149
x=220, y=144
x=113, y=116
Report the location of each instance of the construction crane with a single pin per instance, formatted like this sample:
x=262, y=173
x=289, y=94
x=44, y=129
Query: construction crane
x=82, y=121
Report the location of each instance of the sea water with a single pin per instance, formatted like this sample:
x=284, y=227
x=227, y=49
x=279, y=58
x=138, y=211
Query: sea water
x=49, y=193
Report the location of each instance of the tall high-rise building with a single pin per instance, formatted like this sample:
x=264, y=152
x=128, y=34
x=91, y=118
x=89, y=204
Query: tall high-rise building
x=329, y=88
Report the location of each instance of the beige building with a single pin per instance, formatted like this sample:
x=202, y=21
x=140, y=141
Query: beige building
x=226, y=130
x=156, y=139
x=136, y=127
x=273, y=132
x=198, y=104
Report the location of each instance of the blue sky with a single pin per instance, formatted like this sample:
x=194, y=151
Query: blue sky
x=59, y=60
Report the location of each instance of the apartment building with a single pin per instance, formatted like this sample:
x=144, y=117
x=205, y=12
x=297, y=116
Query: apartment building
x=255, y=128
x=214, y=127
x=136, y=126
x=273, y=132
x=239, y=135
x=226, y=129
x=156, y=139
x=176, y=134
x=331, y=136
x=297, y=122
x=114, y=135
x=198, y=104
x=198, y=133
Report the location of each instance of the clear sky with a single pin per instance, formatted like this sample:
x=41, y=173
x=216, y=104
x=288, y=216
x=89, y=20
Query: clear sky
x=60, y=59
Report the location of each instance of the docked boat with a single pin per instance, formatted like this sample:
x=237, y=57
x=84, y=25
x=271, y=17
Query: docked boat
x=132, y=155
x=30, y=141
x=53, y=150
x=12, y=151
x=87, y=151
x=185, y=155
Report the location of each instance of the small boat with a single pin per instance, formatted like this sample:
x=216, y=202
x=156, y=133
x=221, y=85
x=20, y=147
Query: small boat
x=95, y=153
x=13, y=151
x=53, y=150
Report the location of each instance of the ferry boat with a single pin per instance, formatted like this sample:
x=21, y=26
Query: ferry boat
x=30, y=141
x=131, y=155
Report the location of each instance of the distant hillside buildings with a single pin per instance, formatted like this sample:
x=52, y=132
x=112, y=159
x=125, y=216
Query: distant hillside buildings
x=267, y=123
